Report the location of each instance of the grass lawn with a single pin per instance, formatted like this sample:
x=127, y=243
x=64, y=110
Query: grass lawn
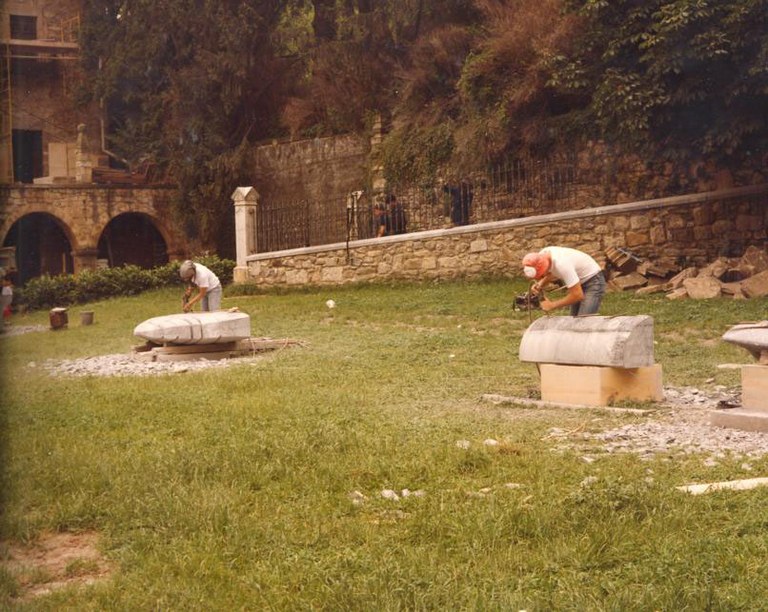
x=235, y=488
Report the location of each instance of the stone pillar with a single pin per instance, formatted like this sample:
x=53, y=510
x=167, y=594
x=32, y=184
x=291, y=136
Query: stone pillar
x=246, y=201
x=83, y=165
x=378, y=182
x=85, y=259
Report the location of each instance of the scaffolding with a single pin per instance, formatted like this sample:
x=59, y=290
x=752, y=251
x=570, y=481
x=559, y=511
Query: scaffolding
x=60, y=44
x=6, y=117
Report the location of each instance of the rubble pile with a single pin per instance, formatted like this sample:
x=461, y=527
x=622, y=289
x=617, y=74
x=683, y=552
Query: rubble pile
x=736, y=277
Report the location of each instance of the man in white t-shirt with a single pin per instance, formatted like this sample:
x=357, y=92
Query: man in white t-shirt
x=580, y=273
x=207, y=283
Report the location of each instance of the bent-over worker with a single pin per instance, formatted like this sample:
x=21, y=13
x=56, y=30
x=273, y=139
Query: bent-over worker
x=581, y=275
x=207, y=283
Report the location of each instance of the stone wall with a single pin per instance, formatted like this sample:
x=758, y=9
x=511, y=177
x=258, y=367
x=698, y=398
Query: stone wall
x=315, y=169
x=697, y=227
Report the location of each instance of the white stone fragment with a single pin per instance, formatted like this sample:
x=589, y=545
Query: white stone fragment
x=357, y=498
x=620, y=342
x=330, y=304
x=734, y=485
x=196, y=328
x=390, y=494
x=463, y=444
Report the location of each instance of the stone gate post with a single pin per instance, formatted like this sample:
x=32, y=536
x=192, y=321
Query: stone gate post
x=246, y=201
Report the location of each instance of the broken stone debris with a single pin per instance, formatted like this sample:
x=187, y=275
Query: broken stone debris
x=735, y=277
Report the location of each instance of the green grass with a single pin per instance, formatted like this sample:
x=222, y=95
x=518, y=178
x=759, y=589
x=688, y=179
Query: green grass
x=229, y=488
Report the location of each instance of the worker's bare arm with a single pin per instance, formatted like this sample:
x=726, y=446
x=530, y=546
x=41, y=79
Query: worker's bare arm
x=575, y=294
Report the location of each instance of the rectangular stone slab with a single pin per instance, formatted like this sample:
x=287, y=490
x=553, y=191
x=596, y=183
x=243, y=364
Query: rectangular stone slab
x=600, y=386
x=618, y=342
x=754, y=387
x=196, y=328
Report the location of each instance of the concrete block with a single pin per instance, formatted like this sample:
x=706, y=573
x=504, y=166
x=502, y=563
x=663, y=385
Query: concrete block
x=738, y=418
x=600, y=386
x=619, y=342
x=753, y=414
x=754, y=387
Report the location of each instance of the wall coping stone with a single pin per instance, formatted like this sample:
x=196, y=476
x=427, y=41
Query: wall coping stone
x=611, y=209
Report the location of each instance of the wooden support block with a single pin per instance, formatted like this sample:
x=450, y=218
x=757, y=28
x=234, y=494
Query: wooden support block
x=754, y=387
x=599, y=385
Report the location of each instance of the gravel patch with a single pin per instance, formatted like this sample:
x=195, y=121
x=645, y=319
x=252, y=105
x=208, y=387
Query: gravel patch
x=17, y=330
x=680, y=426
x=129, y=365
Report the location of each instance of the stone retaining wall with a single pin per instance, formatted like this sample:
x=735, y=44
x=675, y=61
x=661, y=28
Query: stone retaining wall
x=697, y=227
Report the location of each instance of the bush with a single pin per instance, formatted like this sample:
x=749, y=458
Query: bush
x=90, y=285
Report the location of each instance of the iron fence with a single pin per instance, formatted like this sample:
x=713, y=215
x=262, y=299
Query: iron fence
x=518, y=188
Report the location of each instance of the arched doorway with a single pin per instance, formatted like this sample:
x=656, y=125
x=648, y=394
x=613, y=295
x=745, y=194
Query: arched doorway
x=42, y=246
x=132, y=238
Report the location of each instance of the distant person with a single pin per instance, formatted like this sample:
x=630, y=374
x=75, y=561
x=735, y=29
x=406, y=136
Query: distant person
x=207, y=284
x=461, y=196
x=397, y=220
x=580, y=273
x=6, y=299
x=380, y=220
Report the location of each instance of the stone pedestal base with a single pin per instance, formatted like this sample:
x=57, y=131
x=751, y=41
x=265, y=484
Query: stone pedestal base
x=599, y=385
x=240, y=274
x=753, y=414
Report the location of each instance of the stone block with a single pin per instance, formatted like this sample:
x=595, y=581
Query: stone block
x=632, y=280
x=677, y=294
x=635, y=239
x=753, y=414
x=754, y=387
x=677, y=280
x=622, y=342
x=756, y=257
x=600, y=386
x=195, y=328
x=702, y=287
x=755, y=286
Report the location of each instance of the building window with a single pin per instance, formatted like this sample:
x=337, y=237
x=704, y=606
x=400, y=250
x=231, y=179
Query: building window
x=23, y=27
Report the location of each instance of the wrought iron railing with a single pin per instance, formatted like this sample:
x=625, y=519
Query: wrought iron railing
x=517, y=188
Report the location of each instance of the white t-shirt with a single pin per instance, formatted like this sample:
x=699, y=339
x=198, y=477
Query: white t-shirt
x=571, y=266
x=7, y=297
x=205, y=278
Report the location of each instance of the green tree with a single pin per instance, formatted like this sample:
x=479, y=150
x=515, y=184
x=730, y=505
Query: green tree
x=680, y=78
x=190, y=84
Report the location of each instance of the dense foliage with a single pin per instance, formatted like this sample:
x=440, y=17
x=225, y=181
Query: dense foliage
x=679, y=78
x=91, y=285
x=195, y=84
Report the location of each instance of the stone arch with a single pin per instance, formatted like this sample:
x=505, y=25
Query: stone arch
x=44, y=245
x=134, y=238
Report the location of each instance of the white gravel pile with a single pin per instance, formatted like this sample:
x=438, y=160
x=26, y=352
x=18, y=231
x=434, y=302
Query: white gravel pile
x=16, y=330
x=682, y=426
x=128, y=365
